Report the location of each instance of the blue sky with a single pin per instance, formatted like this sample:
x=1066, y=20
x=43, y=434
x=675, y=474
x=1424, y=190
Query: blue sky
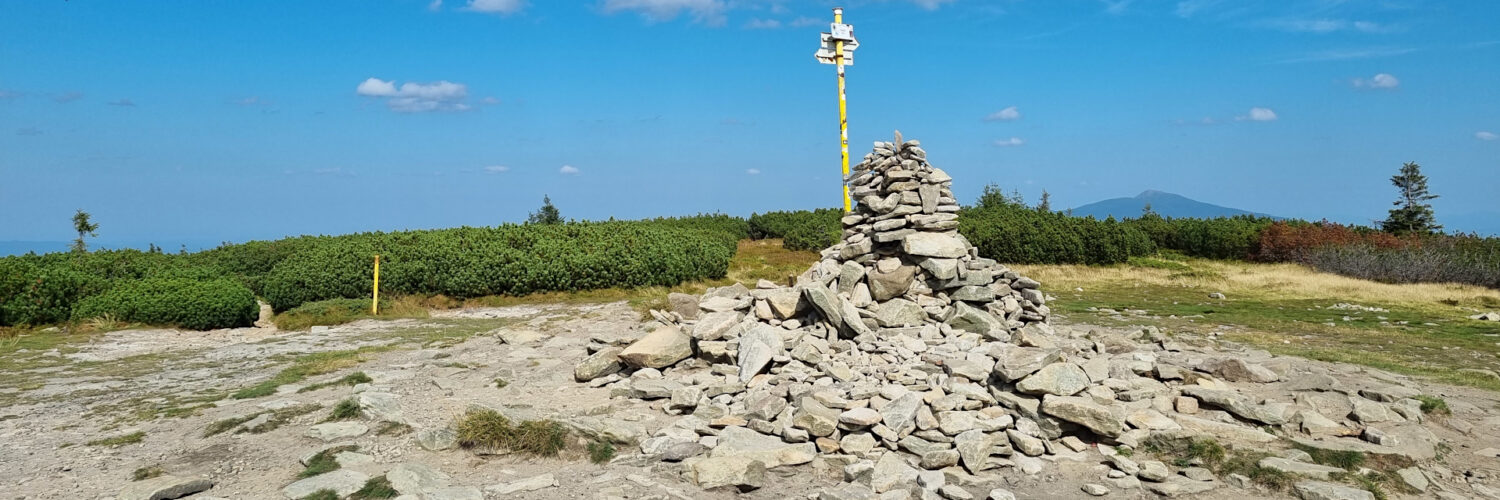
x=206, y=121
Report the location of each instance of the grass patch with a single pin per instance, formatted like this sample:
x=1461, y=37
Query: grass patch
x=351, y=380
x=393, y=429
x=307, y=365
x=1124, y=451
x=324, y=462
x=347, y=409
x=1186, y=452
x=322, y=495
x=1347, y=460
x=500, y=383
x=121, y=440
x=600, y=452
x=1433, y=405
x=225, y=425
x=339, y=311
x=145, y=473
x=276, y=420
x=376, y=487
x=1288, y=309
x=488, y=429
x=1156, y=263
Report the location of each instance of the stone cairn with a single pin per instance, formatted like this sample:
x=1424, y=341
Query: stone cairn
x=904, y=361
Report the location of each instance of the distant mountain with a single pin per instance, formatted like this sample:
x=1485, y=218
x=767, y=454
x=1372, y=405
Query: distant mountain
x=1166, y=204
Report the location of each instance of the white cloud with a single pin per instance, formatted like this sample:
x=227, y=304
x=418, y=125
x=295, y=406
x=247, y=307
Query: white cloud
x=1486, y=135
x=1379, y=81
x=435, y=5
x=753, y=171
x=417, y=97
x=568, y=170
x=709, y=12
x=495, y=169
x=502, y=7
x=762, y=24
x=1004, y=115
x=1259, y=115
x=1009, y=143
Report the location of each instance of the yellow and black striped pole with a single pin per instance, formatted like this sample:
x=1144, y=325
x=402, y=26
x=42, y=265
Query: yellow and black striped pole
x=838, y=51
x=375, y=295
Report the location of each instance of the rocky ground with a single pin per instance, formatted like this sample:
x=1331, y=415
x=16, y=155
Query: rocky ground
x=99, y=392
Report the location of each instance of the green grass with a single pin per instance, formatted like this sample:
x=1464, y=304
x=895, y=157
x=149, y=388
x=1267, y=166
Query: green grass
x=121, y=440
x=1124, y=451
x=1433, y=405
x=488, y=429
x=307, y=365
x=339, y=311
x=322, y=495
x=1157, y=263
x=376, y=487
x=145, y=473
x=500, y=383
x=600, y=452
x=324, y=462
x=347, y=409
x=351, y=379
x=393, y=429
x=1347, y=460
x=278, y=418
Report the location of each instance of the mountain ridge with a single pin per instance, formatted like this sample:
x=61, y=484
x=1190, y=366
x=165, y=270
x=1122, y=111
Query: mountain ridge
x=1164, y=203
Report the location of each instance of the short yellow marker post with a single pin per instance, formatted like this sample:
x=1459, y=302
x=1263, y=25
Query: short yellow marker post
x=375, y=298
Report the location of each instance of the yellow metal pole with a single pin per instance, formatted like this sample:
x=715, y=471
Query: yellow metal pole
x=838, y=54
x=375, y=298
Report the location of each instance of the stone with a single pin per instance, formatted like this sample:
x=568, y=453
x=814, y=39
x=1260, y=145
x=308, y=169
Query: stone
x=785, y=303
x=857, y=444
x=713, y=326
x=886, y=285
x=163, y=487
x=969, y=318
x=816, y=419
x=1237, y=370
x=1095, y=490
x=939, y=459
x=599, y=364
x=943, y=269
x=334, y=431
x=455, y=493
x=1023, y=443
x=1152, y=470
x=1369, y=412
x=1414, y=478
x=940, y=245
x=954, y=492
x=1083, y=411
x=861, y=417
x=416, y=478
x=659, y=349
x=1185, y=405
x=1314, y=471
x=1060, y=379
x=684, y=305
x=1001, y=494
x=891, y=472
x=847, y=491
x=1316, y=490
x=439, y=439
x=1235, y=403
x=826, y=303
x=757, y=347
x=899, y=312
x=901, y=413
x=973, y=449
x=769, y=450
x=1018, y=362
x=343, y=482
x=381, y=406
x=850, y=274
x=744, y=473
x=1389, y=393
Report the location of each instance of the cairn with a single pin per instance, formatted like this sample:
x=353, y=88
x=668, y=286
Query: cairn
x=903, y=359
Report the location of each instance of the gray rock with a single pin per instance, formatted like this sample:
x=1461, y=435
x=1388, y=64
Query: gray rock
x=1018, y=362
x=1083, y=411
x=1060, y=379
x=769, y=450
x=684, y=305
x=1369, y=412
x=713, y=326
x=334, y=431
x=381, y=406
x=815, y=418
x=1152, y=470
x=1237, y=370
x=899, y=312
x=415, y=478
x=973, y=449
x=886, y=285
x=972, y=319
x=785, y=303
x=1095, y=490
x=1023, y=443
x=1315, y=490
x=342, y=481
x=825, y=302
x=901, y=413
x=164, y=487
x=1389, y=393
x=757, y=346
x=940, y=245
x=939, y=459
x=1236, y=404
x=1001, y=494
x=599, y=364
x=892, y=472
x=973, y=294
x=850, y=274
x=847, y=491
x=860, y=417
x=1314, y=471
x=659, y=349
x=455, y=493
x=744, y=473
x=534, y=483
x=943, y=269
x=437, y=439
x=1414, y=478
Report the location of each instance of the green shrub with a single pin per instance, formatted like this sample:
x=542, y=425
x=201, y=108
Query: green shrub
x=184, y=302
x=1018, y=234
x=799, y=230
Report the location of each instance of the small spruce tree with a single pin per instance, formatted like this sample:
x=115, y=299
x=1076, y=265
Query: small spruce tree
x=84, y=227
x=1046, y=204
x=546, y=215
x=1412, y=215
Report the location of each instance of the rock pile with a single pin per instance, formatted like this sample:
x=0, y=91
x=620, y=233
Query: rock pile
x=903, y=361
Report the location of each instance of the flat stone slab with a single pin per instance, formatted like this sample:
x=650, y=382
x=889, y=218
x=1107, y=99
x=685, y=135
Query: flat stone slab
x=165, y=487
x=342, y=481
x=334, y=431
